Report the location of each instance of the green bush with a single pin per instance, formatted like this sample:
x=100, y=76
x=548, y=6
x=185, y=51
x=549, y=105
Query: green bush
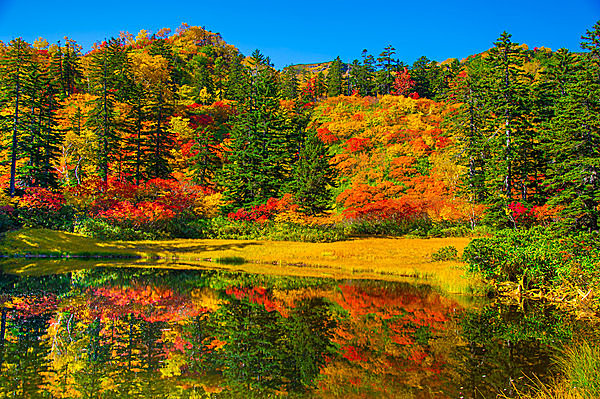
x=102, y=230
x=62, y=219
x=7, y=222
x=418, y=227
x=537, y=255
x=225, y=228
x=445, y=253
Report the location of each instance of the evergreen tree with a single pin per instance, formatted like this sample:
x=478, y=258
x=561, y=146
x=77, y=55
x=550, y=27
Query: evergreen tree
x=258, y=160
x=386, y=65
x=573, y=135
x=237, y=86
x=362, y=75
x=288, y=83
x=335, y=78
x=13, y=84
x=313, y=176
x=468, y=124
x=65, y=65
x=160, y=99
x=107, y=77
x=423, y=74
x=41, y=138
x=507, y=97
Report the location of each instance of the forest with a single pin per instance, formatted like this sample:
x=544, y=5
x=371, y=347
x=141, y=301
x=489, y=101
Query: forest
x=179, y=135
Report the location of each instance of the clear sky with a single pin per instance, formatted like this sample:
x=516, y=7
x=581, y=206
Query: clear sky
x=295, y=32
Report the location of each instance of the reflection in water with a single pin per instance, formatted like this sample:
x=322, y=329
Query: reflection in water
x=145, y=333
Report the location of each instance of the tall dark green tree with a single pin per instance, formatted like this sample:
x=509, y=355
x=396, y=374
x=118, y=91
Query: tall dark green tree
x=507, y=96
x=468, y=124
x=258, y=159
x=313, y=176
x=288, y=83
x=335, y=79
x=573, y=135
x=387, y=66
x=13, y=83
x=41, y=139
x=107, y=77
x=160, y=107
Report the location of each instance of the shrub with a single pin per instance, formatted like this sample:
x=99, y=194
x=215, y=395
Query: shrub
x=445, y=253
x=537, y=255
x=102, y=230
x=40, y=207
x=225, y=228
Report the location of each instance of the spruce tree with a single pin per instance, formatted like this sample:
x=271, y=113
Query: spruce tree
x=258, y=163
x=572, y=137
x=13, y=84
x=468, y=124
x=41, y=139
x=107, y=78
x=160, y=106
x=335, y=78
x=507, y=96
x=385, y=75
x=313, y=176
x=288, y=83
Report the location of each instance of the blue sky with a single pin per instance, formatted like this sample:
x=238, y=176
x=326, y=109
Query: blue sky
x=293, y=32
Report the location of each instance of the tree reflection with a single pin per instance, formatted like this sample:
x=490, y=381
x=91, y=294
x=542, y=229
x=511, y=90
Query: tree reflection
x=136, y=333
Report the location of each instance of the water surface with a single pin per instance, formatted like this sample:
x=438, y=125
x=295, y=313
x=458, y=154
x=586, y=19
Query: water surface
x=124, y=332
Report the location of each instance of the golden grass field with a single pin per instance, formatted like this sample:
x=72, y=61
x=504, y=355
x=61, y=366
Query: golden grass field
x=382, y=258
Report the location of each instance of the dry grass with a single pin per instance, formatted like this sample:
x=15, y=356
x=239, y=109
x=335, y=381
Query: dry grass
x=384, y=258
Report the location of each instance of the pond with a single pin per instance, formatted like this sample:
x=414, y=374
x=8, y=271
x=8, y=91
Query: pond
x=131, y=332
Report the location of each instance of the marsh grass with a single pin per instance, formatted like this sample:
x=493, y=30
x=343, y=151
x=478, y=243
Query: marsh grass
x=579, y=367
x=555, y=389
x=385, y=258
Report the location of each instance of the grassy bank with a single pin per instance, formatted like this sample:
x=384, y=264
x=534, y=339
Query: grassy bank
x=389, y=258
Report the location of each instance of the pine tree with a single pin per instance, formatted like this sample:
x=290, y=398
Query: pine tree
x=160, y=98
x=41, y=138
x=423, y=73
x=468, y=124
x=288, y=84
x=362, y=75
x=507, y=96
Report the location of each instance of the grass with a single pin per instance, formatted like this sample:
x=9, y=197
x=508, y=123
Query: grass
x=380, y=258
x=579, y=367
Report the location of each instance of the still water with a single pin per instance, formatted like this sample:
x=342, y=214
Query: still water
x=127, y=332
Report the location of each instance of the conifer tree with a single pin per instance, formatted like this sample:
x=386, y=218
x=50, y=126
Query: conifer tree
x=13, y=83
x=41, y=139
x=258, y=160
x=573, y=135
x=467, y=123
x=160, y=99
x=288, y=84
x=107, y=76
x=313, y=176
x=385, y=75
x=335, y=78
x=508, y=130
